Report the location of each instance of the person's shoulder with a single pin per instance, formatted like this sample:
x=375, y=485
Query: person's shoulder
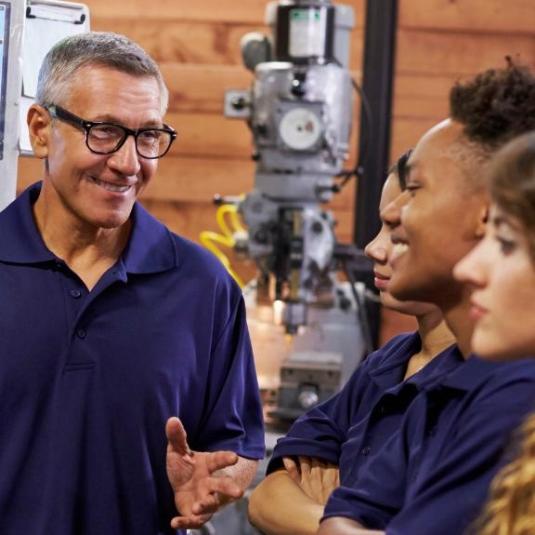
x=196, y=260
x=510, y=382
x=504, y=372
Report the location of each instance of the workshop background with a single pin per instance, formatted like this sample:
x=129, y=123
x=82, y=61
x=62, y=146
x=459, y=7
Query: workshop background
x=197, y=47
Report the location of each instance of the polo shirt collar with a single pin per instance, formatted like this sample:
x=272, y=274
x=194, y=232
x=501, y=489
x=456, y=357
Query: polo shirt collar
x=20, y=241
x=389, y=372
x=151, y=247
x=474, y=372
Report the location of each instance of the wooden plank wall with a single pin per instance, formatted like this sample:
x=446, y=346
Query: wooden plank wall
x=197, y=46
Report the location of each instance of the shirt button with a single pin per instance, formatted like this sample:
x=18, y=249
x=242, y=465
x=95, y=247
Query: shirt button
x=365, y=451
x=75, y=293
x=81, y=333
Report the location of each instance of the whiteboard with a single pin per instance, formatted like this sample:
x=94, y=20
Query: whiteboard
x=47, y=22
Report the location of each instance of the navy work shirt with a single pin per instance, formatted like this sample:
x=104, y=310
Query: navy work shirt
x=357, y=421
x=433, y=475
x=89, y=379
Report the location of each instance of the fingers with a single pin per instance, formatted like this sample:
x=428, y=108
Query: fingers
x=327, y=474
x=292, y=468
x=220, y=459
x=177, y=437
x=318, y=478
x=190, y=521
x=217, y=491
x=225, y=487
x=304, y=466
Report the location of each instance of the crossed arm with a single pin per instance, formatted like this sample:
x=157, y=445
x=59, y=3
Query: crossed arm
x=290, y=501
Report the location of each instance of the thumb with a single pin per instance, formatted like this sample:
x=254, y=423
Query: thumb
x=291, y=467
x=177, y=436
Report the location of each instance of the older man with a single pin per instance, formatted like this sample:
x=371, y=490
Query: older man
x=111, y=326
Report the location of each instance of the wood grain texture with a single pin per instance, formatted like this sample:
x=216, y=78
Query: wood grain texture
x=459, y=54
x=512, y=17
x=203, y=10
x=197, y=42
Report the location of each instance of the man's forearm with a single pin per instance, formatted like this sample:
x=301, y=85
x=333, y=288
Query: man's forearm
x=242, y=473
x=344, y=526
x=278, y=506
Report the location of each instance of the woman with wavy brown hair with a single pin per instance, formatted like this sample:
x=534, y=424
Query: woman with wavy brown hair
x=501, y=273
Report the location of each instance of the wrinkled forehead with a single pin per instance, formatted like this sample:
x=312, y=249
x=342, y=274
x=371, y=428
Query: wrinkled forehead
x=98, y=84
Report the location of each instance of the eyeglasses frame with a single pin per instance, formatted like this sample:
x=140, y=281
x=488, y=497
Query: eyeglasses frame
x=57, y=112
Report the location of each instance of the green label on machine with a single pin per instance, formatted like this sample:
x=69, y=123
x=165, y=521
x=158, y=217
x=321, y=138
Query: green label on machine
x=307, y=32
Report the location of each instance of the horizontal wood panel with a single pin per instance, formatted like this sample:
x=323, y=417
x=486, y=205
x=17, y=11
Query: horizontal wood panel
x=201, y=88
x=420, y=96
x=513, y=16
x=216, y=10
x=406, y=133
x=209, y=43
x=181, y=41
x=452, y=53
x=250, y=11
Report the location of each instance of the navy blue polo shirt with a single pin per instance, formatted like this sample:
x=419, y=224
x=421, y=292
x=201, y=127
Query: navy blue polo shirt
x=89, y=379
x=433, y=475
x=357, y=421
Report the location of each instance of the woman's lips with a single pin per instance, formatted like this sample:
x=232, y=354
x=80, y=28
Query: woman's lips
x=477, y=311
x=380, y=281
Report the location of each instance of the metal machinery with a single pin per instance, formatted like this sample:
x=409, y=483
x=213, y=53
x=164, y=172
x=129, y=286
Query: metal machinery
x=299, y=111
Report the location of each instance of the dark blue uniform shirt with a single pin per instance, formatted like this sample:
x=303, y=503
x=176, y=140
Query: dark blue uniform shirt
x=432, y=476
x=88, y=379
x=357, y=421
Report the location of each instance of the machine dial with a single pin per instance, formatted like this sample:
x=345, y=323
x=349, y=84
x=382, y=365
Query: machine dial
x=300, y=129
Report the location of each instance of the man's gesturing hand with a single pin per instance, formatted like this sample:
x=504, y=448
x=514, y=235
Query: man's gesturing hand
x=198, y=489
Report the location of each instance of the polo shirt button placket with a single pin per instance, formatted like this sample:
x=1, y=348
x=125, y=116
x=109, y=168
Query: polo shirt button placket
x=81, y=333
x=76, y=294
x=365, y=451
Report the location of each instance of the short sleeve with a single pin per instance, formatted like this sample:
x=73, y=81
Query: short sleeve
x=321, y=431
x=233, y=411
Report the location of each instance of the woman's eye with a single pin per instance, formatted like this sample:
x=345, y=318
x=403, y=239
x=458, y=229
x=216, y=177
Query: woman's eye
x=506, y=246
x=411, y=188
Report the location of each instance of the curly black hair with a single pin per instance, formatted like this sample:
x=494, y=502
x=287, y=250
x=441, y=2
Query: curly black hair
x=495, y=106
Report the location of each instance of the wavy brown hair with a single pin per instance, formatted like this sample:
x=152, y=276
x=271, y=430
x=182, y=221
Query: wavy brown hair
x=511, y=506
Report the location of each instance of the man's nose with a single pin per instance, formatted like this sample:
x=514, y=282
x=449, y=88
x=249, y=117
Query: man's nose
x=126, y=160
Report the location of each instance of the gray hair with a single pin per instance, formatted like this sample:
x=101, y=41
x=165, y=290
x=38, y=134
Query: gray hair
x=104, y=49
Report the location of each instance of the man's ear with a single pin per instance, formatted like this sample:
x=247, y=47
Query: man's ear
x=483, y=217
x=39, y=122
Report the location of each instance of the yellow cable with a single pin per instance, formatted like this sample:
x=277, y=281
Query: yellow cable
x=232, y=211
x=207, y=238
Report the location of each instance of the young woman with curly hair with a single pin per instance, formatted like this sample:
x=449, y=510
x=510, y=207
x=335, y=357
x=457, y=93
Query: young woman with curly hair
x=501, y=273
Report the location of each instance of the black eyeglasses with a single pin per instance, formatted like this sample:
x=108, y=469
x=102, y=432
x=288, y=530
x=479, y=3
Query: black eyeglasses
x=106, y=138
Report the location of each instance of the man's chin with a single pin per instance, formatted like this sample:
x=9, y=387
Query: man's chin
x=404, y=289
